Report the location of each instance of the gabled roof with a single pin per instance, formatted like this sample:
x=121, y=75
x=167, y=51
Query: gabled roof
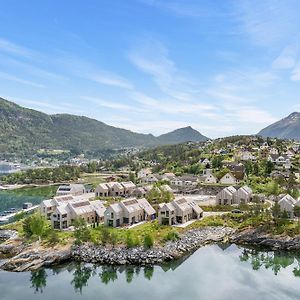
x=99, y=207
x=246, y=189
x=146, y=206
x=128, y=184
x=230, y=190
x=289, y=199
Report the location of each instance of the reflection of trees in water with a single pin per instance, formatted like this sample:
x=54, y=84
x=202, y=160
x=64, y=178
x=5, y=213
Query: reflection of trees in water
x=38, y=280
x=270, y=260
x=81, y=276
x=148, y=272
x=109, y=273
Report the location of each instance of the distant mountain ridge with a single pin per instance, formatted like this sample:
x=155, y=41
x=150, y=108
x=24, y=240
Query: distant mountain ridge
x=181, y=135
x=286, y=128
x=24, y=130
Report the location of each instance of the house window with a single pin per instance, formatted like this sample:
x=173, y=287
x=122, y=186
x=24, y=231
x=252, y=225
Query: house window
x=112, y=215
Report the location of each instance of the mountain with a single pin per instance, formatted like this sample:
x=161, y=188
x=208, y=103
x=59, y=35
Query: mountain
x=182, y=135
x=287, y=128
x=24, y=130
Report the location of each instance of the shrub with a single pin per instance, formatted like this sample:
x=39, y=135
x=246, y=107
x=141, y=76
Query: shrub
x=148, y=241
x=131, y=241
x=172, y=236
x=105, y=236
x=53, y=237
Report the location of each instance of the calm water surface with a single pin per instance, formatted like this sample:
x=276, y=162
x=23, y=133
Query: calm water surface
x=213, y=272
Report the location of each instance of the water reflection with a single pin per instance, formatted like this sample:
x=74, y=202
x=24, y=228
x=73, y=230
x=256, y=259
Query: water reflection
x=38, y=280
x=82, y=273
x=81, y=276
x=271, y=260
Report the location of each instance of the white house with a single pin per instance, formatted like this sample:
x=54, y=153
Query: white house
x=210, y=179
x=228, y=179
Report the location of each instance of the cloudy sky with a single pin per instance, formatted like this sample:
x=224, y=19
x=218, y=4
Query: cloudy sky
x=224, y=67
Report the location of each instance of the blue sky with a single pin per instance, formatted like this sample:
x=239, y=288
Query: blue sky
x=223, y=67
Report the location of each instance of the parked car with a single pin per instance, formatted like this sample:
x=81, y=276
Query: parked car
x=236, y=211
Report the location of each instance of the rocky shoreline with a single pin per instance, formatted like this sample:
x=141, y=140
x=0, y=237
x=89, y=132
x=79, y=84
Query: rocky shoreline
x=188, y=242
x=18, y=257
x=257, y=237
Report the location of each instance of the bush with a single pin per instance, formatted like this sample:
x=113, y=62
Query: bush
x=148, y=241
x=172, y=236
x=82, y=233
x=130, y=241
x=105, y=236
x=53, y=237
x=34, y=225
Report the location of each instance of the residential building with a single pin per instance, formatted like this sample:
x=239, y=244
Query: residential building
x=210, y=179
x=287, y=204
x=115, y=189
x=243, y=195
x=226, y=196
x=229, y=179
x=70, y=189
x=47, y=207
x=129, y=212
x=179, y=211
x=66, y=213
x=144, y=173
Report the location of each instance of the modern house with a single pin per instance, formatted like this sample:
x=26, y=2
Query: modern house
x=115, y=189
x=243, y=195
x=47, y=207
x=287, y=204
x=66, y=213
x=178, y=211
x=226, y=196
x=129, y=212
x=70, y=189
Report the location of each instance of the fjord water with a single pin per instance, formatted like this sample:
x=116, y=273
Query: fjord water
x=213, y=272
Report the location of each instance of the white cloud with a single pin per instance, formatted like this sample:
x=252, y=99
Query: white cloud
x=47, y=106
x=295, y=75
x=185, y=8
x=152, y=57
x=9, y=47
x=170, y=106
x=287, y=58
x=111, y=80
x=20, y=80
x=268, y=22
x=110, y=104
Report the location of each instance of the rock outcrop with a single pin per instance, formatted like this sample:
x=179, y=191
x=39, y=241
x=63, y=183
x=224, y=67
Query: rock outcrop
x=33, y=257
x=257, y=237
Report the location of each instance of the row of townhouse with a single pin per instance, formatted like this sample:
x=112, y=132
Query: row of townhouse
x=63, y=210
x=179, y=211
x=115, y=189
x=129, y=212
x=231, y=195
